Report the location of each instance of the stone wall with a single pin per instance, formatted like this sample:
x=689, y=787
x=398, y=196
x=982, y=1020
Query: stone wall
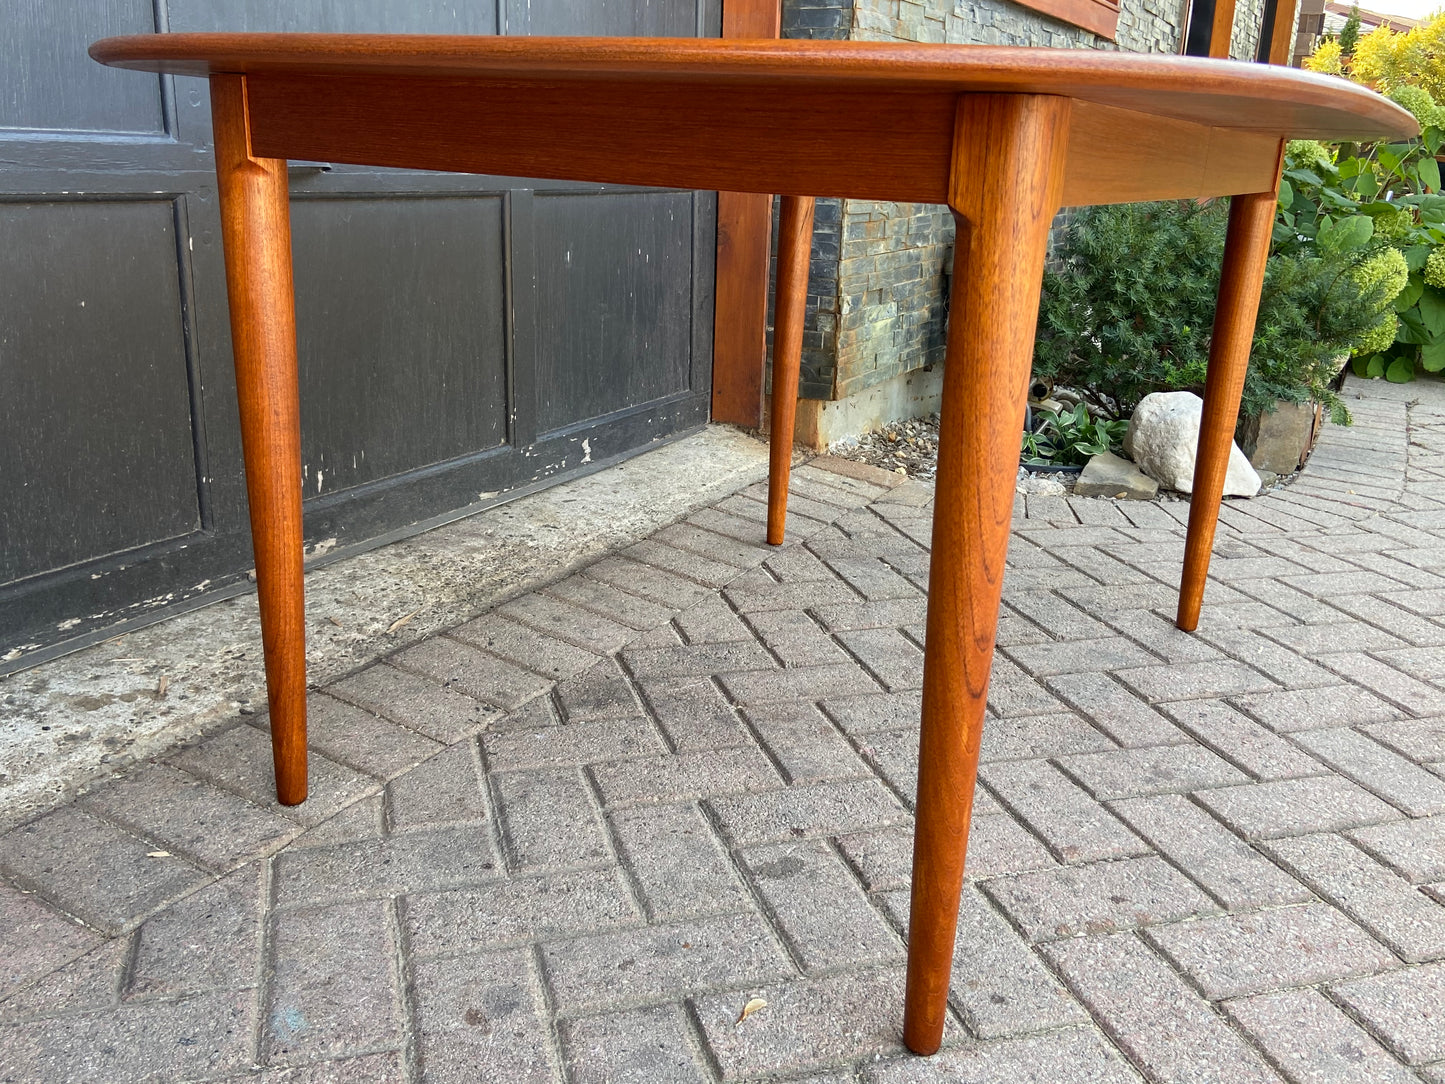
x=1244, y=39
x=877, y=289
x=827, y=20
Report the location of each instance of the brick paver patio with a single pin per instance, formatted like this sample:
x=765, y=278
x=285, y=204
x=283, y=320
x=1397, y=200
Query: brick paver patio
x=573, y=838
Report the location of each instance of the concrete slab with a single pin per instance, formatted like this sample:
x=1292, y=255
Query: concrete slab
x=85, y=716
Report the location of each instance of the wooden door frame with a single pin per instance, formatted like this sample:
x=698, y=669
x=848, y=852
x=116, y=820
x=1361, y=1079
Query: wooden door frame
x=744, y=240
x=1220, y=37
x=1281, y=43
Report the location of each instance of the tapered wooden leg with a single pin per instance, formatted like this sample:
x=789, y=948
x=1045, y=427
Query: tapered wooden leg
x=1008, y=154
x=256, y=229
x=795, y=248
x=1251, y=222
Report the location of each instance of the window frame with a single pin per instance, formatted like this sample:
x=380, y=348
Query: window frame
x=1099, y=17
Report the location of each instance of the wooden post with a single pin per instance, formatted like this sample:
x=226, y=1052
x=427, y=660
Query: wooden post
x=1221, y=31
x=1281, y=41
x=256, y=229
x=795, y=251
x=1008, y=159
x=744, y=225
x=1246, y=247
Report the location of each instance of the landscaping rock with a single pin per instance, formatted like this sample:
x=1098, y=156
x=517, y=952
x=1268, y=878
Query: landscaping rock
x=1039, y=485
x=1107, y=475
x=1285, y=437
x=1163, y=440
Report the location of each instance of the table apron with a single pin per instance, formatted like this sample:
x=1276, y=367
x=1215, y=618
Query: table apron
x=819, y=141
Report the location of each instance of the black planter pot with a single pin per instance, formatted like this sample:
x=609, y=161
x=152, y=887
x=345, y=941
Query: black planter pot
x=1035, y=468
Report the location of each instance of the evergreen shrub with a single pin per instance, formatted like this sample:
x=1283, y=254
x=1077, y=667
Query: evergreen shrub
x=1130, y=307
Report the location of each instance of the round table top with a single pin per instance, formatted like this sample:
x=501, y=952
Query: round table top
x=1218, y=93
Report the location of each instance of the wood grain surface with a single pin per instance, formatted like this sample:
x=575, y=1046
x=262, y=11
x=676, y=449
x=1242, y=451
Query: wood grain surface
x=799, y=145
x=795, y=250
x=1248, y=97
x=744, y=232
x=672, y=134
x=1282, y=35
x=740, y=328
x=1161, y=158
x=1004, y=194
x=1221, y=32
x=256, y=229
x=1096, y=16
x=1246, y=248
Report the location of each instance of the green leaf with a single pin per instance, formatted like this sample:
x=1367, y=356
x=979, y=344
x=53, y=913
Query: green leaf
x=1388, y=158
x=1432, y=356
x=1304, y=176
x=1286, y=194
x=1429, y=173
x=1361, y=364
x=1367, y=186
x=1401, y=371
x=1432, y=313
x=1376, y=367
x=1412, y=328
x=1340, y=199
x=1415, y=256
x=1414, y=287
x=1352, y=233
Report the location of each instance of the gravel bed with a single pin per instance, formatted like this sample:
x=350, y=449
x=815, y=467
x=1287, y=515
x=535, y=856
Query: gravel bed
x=906, y=447
x=911, y=448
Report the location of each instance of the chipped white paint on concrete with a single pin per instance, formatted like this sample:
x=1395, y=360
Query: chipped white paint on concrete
x=78, y=718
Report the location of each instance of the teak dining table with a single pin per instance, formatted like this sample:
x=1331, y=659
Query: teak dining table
x=1003, y=136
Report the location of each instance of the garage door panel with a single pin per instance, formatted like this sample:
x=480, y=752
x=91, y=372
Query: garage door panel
x=612, y=18
x=401, y=329
x=614, y=301
x=96, y=451
x=330, y=17
x=49, y=83
x=460, y=337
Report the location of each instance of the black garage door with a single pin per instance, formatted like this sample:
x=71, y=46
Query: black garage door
x=460, y=337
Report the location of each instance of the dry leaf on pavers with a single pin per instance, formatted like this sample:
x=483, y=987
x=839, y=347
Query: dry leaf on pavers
x=162, y=686
x=751, y=1007
x=400, y=621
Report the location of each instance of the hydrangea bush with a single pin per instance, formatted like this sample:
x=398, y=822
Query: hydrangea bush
x=1381, y=199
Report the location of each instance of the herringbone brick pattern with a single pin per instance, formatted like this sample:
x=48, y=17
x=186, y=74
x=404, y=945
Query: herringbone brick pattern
x=573, y=838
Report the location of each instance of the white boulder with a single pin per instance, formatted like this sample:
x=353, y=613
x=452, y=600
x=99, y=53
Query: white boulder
x=1163, y=440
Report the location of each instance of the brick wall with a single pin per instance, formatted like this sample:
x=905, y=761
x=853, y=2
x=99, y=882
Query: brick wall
x=878, y=283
